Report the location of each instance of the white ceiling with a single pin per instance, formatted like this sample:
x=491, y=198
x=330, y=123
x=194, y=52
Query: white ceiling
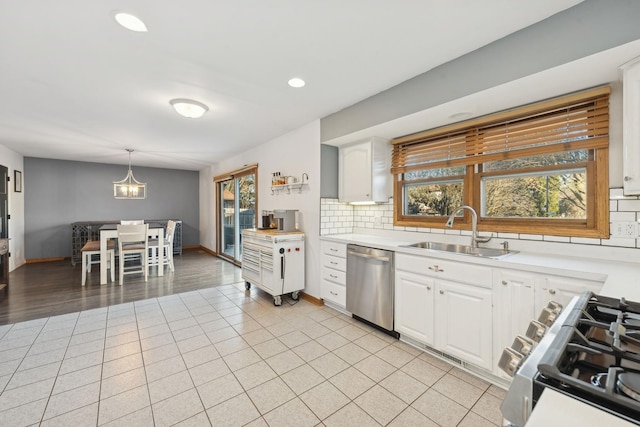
x=74, y=85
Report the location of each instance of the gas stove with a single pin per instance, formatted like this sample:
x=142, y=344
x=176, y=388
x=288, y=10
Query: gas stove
x=591, y=352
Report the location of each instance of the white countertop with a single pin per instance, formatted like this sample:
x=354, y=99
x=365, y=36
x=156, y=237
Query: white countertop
x=620, y=279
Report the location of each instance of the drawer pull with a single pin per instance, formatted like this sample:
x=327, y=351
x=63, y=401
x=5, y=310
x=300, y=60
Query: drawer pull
x=333, y=276
x=428, y=288
x=504, y=282
x=441, y=292
x=552, y=291
x=335, y=294
x=333, y=249
x=436, y=268
x=333, y=262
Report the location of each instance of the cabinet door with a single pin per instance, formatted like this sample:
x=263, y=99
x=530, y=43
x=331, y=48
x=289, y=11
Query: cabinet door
x=355, y=173
x=414, y=306
x=463, y=323
x=631, y=128
x=515, y=304
x=561, y=290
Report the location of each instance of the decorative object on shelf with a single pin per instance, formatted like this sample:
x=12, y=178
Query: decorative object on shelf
x=129, y=187
x=189, y=108
x=287, y=183
x=17, y=181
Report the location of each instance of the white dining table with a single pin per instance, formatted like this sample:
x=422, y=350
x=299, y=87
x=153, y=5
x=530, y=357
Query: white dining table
x=110, y=231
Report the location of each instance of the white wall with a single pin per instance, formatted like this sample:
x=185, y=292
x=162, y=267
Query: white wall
x=15, y=161
x=294, y=153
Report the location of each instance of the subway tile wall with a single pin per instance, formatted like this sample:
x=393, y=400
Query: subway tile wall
x=341, y=218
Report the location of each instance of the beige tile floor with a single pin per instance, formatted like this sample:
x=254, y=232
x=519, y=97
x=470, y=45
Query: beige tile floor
x=227, y=357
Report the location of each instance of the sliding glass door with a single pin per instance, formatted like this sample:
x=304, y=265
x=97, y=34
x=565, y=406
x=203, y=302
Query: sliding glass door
x=236, y=195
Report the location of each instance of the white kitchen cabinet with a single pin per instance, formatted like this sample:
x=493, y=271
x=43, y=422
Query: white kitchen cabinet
x=464, y=326
x=514, y=293
x=455, y=315
x=414, y=306
x=631, y=127
x=561, y=290
x=363, y=171
x=334, y=273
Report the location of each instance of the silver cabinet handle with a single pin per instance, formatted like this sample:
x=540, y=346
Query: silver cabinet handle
x=428, y=288
x=333, y=249
x=441, y=292
x=333, y=262
x=335, y=294
x=628, y=178
x=435, y=268
x=552, y=291
x=504, y=282
x=333, y=276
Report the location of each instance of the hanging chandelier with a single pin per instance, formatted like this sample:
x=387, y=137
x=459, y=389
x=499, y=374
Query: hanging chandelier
x=129, y=187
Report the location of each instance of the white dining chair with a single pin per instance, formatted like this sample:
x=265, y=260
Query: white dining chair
x=161, y=253
x=91, y=255
x=132, y=239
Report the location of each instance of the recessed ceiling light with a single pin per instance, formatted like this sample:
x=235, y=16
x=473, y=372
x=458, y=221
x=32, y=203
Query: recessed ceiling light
x=460, y=116
x=130, y=22
x=296, y=82
x=189, y=108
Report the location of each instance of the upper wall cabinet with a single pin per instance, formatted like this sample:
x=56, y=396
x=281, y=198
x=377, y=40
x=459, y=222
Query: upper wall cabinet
x=363, y=171
x=631, y=126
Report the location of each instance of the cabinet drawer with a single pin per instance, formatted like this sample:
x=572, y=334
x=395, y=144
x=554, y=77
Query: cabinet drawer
x=335, y=249
x=339, y=277
x=334, y=262
x=444, y=269
x=334, y=293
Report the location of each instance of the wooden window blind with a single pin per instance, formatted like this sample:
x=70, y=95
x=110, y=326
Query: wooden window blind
x=577, y=121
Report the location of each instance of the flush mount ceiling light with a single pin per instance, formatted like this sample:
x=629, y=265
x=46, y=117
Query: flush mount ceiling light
x=129, y=187
x=189, y=108
x=460, y=116
x=296, y=82
x=130, y=22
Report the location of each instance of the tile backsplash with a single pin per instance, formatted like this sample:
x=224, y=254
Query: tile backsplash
x=341, y=218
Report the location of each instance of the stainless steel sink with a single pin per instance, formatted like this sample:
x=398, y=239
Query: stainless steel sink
x=463, y=249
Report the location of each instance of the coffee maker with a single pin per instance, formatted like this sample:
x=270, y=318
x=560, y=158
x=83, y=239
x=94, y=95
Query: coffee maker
x=285, y=219
x=267, y=220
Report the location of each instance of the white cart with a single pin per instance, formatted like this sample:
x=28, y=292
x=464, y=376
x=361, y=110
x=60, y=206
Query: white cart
x=274, y=262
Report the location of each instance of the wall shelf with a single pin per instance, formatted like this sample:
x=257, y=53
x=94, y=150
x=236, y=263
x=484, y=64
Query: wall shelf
x=276, y=189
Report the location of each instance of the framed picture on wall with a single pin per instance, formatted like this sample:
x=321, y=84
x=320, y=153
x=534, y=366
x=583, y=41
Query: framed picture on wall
x=17, y=181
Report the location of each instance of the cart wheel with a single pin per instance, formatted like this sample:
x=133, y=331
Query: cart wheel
x=247, y=285
x=277, y=300
x=295, y=296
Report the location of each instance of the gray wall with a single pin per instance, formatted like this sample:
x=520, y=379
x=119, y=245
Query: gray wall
x=59, y=192
x=585, y=29
x=328, y=171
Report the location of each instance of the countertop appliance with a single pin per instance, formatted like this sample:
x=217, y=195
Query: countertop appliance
x=370, y=286
x=285, y=220
x=591, y=353
x=274, y=262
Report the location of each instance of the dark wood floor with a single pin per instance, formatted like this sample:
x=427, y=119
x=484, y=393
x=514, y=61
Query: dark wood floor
x=53, y=288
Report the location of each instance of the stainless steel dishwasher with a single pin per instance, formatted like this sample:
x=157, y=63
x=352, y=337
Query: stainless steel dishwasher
x=370, y=285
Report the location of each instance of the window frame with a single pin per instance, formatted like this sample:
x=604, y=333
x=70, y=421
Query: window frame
x=596, y=224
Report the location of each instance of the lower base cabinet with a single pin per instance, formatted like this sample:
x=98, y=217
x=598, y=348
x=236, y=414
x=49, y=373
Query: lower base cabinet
x=414, y=300
x=464, y=327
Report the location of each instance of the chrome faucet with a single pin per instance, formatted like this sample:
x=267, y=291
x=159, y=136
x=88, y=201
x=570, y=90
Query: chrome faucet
x=475, y=238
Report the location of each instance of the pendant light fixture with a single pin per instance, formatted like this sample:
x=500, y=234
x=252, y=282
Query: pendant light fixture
x=129, y=187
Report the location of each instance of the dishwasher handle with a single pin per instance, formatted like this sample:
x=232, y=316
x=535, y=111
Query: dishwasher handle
x=377, y=258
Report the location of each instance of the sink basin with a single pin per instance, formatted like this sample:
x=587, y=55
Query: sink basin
x=463, y=249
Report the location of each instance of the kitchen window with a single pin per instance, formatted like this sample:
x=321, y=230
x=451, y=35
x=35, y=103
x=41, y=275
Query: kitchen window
x=537, y=169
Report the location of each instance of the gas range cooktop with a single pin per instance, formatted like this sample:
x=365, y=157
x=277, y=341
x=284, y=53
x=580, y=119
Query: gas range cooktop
x=590, y=353
x=595, y=356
